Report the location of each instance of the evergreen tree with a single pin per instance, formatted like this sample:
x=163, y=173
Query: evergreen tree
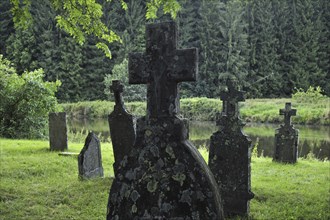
x=189, y=24
x=21, y=50
x=6, y=24
x=224, y=45
x=264, y=70
x=322, y=14
x=94, y=66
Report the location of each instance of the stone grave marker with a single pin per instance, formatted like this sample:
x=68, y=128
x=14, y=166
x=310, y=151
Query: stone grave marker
x=58, y=137
x=286, y=138
x=230, y=155
x=122, y=126
x=164, y=176
x=90, y=159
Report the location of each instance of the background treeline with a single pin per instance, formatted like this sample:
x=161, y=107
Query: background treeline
x=272, y=47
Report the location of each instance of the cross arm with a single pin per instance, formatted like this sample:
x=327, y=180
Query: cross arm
x=185, y=65
x=137, y=69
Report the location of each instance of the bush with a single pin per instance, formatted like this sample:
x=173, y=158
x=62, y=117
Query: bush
x=310, y=95
x=25, y=103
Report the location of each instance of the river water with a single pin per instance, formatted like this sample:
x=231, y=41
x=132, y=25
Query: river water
x=312, y=139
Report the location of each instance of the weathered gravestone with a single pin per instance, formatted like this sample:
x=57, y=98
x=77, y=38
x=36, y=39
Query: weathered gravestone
x=58, y=137
x=122, y=126
x=230, y=155
x=164, y=176
x=90, y=159
x=286, y=138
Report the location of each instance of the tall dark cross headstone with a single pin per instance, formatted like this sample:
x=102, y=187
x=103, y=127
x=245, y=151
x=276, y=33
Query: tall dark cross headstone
x=58, y=135
x=90, y=159
x=164, y=176
x=286, y=138
x=122, y=126
x=230, y=155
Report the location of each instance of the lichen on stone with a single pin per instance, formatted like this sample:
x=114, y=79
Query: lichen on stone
x=180, y=177
x=170, y=151
x=135, y=196
x=185, y=197
x=152, y=186
x=134, y=208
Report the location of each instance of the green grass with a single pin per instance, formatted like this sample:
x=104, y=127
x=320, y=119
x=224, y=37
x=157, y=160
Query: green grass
x=205, y=109
x=39, y=184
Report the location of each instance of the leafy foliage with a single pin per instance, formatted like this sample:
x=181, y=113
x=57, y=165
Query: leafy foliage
x=84, y=18
x=26, y=101
x=312, y=95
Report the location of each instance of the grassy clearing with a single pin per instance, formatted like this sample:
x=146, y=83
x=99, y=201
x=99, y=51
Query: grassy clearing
x=39, y=184
x=204, y=109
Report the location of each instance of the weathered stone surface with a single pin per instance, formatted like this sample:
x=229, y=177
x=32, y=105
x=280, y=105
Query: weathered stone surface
x=164, y=176
x=58, y=137
x=122, y=126
x=230, y=155
x=286, y=138
x=90, y=159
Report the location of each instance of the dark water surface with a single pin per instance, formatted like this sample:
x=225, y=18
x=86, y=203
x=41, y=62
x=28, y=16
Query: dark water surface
x=315, y=139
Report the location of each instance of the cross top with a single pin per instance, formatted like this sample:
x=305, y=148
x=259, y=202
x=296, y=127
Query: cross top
x=162, y=67
x=230, y=98
x=288, y=112
x=117, y=88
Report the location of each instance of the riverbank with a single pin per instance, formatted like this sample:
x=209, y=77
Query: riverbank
x=309, y=112
x=37, y=184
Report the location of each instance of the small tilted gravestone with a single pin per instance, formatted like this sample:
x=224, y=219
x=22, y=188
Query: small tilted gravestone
x=230, y=155
x=58, y=137
x=122, y=126
x=164, y=176
x=286, y=138
x=90, y=159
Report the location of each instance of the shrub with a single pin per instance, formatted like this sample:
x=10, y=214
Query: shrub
x=310, y=95
x=25, y=103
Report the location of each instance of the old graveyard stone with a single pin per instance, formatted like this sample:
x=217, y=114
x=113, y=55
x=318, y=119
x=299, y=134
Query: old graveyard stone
x=122, y=126
x=286, y=138
x=90, y=159
x=58, y=137
x=230, y=155
x=164, y=176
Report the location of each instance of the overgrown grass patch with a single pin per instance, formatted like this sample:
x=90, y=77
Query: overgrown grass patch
x=38, y=184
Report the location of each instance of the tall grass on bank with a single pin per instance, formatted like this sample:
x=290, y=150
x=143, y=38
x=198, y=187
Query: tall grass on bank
x=205, y=109
x=38, y=184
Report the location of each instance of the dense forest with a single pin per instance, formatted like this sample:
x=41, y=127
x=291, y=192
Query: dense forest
x=271, y=47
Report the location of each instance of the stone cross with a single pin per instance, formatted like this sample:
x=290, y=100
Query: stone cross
x=288, y=112
x=162, y=67
x=163, y=176
x=231, y=98
x=117, y=88
x=286, y=138
x=230, y=155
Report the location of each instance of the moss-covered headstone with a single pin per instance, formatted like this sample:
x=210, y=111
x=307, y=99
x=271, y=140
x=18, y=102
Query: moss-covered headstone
x=230, y=155
x=90, y=159
x=286, y=138
x=122, y=126
x=164, y=176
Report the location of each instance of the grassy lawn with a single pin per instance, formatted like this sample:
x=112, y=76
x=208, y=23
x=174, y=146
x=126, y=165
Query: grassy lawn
x=38, y=184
